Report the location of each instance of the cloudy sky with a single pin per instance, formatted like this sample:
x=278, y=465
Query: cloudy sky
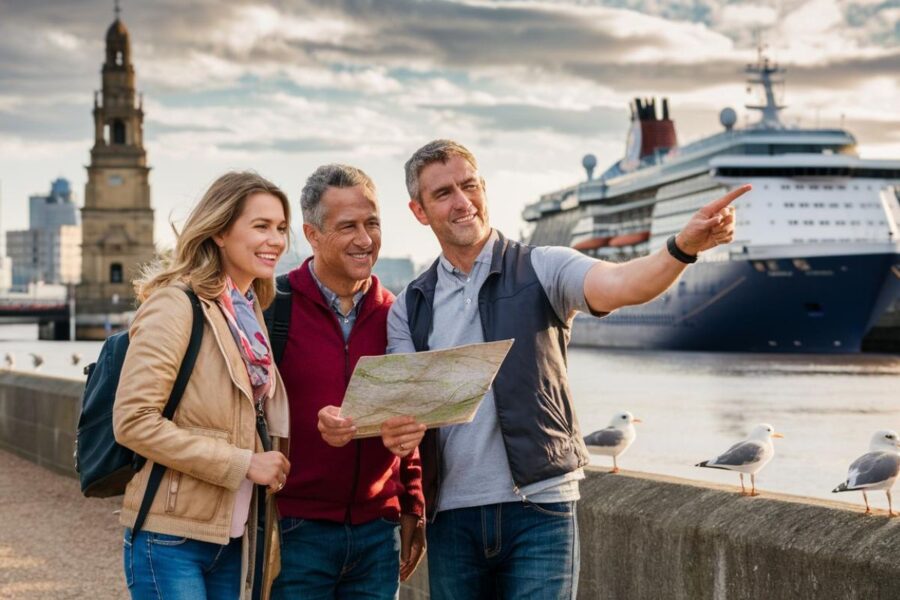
x=282, y=87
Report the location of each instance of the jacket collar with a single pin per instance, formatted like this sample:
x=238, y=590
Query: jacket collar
x=302, y=282
x=236, y=367
x=427, y=281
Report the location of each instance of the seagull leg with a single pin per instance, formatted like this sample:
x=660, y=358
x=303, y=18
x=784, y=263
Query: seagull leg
x=743, y=489
x=753, y=491
x=615, y=468
x=891, y=512
x=866, y=500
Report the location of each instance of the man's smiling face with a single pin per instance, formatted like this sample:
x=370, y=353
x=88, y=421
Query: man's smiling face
x=453, y=203
x=347, y=245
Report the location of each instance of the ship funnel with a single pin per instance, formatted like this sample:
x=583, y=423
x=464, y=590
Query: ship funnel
x=657, y=134
x=589, y=162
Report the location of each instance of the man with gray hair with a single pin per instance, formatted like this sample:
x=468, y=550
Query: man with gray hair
x=352, y=513
x=500, y=491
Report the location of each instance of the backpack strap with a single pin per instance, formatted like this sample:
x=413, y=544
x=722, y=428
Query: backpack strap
x=278, y=317
x=184, y=374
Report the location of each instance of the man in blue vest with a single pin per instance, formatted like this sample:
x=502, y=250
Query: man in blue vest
x=500, y=491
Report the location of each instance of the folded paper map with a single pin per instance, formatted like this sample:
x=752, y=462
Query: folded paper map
x=439, y=387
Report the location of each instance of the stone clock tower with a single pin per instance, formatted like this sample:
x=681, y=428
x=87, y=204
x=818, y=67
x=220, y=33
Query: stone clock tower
x=117, y=220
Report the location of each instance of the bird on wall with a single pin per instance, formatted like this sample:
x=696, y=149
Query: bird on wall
x=36, y=360
x=76, y=358
x=10, y=361
x=878, y=469
x=747, y=456
x=614, y=439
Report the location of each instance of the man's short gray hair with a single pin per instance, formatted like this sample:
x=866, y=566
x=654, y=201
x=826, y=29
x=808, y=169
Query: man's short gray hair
x=432, y=152
x=326, y=176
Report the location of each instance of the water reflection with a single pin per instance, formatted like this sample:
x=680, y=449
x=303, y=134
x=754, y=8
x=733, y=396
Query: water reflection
x=695, y=405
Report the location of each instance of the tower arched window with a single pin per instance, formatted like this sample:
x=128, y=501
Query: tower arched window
x=119, y=58
x=115, y=273
x=118, y=132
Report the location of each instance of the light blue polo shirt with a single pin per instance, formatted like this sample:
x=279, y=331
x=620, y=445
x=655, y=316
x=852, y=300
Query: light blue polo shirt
x=475, y=467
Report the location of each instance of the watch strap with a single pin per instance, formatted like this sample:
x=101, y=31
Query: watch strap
x=679, y=254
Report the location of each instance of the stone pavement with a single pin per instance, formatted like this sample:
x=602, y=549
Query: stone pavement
x=54, y=543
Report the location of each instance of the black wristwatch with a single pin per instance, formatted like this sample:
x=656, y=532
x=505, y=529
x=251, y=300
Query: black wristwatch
x=679, y=254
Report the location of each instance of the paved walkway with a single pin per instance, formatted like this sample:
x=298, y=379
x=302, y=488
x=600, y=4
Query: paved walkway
x=54, y=543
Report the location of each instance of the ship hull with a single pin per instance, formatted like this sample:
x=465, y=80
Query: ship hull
x=758, y=306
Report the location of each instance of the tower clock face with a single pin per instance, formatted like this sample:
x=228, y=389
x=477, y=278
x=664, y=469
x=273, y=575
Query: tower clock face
x=114, y=180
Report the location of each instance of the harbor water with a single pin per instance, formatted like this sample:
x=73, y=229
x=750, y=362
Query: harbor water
x=693, y=406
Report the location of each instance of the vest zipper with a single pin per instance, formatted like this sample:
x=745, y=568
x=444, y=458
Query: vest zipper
x=439, y=467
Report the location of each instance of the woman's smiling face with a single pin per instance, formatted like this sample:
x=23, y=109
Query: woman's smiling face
x=252, y=245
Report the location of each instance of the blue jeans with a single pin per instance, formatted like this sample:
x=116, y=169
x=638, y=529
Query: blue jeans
x=168, y=567
x=512, y=550
x=322, y=560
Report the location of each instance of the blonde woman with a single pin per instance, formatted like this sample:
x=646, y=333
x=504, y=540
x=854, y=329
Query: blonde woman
x=201, y=527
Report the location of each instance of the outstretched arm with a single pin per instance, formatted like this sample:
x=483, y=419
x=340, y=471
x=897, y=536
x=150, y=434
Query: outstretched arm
x=609, y=286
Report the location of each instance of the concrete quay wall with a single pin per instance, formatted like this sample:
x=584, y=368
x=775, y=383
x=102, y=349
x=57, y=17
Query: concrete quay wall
x=649, y=537
x=643, y=537
x=38, y=418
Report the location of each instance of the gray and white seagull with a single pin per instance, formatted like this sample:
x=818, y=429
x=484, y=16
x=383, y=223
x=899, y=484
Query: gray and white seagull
x=614, y=439
x=878, y=469
x=748, y=456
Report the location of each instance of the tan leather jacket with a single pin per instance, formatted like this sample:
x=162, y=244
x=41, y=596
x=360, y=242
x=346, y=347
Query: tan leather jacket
x=208, y=445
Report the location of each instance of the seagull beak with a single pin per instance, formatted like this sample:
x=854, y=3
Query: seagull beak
x=777, y=435
x=636, y=421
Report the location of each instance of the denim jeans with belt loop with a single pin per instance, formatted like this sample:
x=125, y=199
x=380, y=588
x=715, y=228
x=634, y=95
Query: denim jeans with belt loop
x=324, y=560
x=169, y=567
x=511, y=550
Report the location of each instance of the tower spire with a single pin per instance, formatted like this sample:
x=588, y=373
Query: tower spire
x=117, y=9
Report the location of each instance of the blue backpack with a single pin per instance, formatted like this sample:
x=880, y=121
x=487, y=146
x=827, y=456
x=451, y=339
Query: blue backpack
x=105, y=467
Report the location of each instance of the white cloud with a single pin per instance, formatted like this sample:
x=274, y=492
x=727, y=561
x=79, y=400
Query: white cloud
x=63, y=40
x=746, y=17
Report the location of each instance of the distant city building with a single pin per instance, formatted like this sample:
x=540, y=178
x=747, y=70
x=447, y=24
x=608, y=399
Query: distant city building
x=49, y=251
x=54, y=210
x=395, y=273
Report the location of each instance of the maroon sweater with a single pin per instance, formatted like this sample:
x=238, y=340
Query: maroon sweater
x=362, y=481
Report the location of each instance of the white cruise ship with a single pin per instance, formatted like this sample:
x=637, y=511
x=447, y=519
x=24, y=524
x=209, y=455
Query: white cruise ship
x=816, y=256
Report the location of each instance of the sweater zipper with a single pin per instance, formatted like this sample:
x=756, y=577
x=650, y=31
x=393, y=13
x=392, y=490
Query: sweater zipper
x=356, y=468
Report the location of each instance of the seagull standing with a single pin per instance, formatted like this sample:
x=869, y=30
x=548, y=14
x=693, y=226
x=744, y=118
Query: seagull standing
x=878, y=469
x=748, y=456
x=76, y=358
x=10, y=361
x=614, y=439
x=37, y=360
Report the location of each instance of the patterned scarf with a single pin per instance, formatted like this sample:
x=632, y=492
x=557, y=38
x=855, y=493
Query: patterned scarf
x=245, y=328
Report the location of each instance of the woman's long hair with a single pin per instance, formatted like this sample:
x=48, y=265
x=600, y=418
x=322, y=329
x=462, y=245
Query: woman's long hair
x=196, y=259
